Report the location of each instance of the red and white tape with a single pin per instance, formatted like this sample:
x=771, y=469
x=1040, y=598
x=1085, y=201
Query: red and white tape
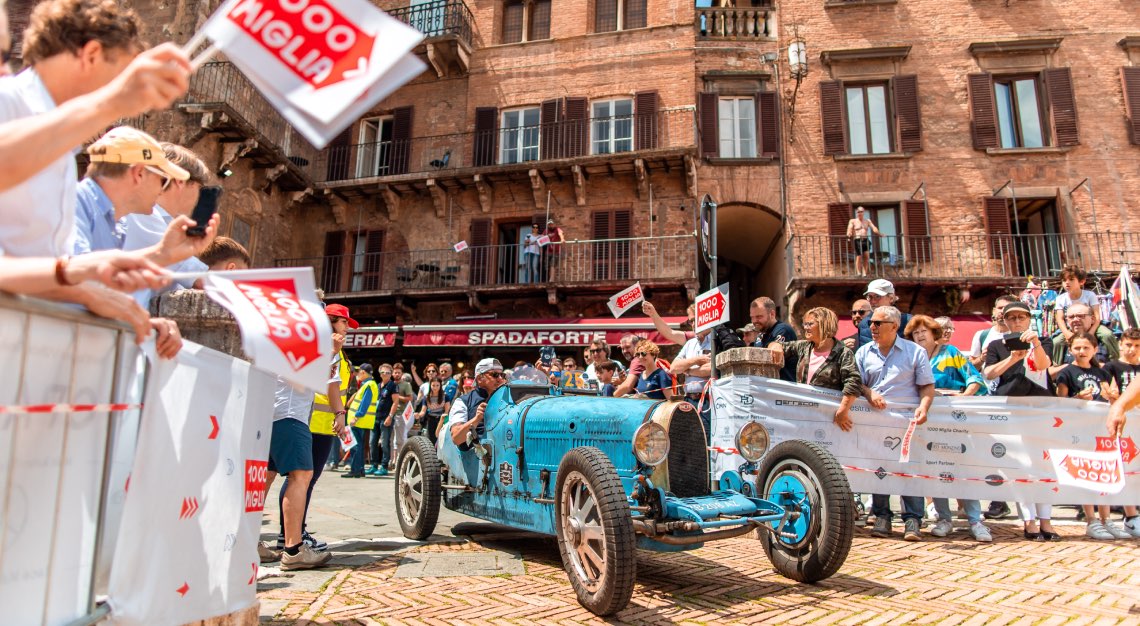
x=723, y=450
x=65, y=408
x=956, y=479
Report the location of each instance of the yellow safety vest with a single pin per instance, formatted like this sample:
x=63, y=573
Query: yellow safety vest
x=322, y=418
x=367, y=422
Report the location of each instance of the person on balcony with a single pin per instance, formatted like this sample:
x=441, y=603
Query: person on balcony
x=859, y=231
x=531, y=254
x=553, y=250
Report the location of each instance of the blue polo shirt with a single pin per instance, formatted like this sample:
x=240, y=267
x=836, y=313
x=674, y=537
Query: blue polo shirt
x=95, y=225
x=899, y=373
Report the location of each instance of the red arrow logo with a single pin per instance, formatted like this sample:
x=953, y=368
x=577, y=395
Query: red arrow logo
x=291, y=328
x=1057, y=422
x=214, y=426
x=1128, y=449
x=183, y=589
x=189, y=508
x=1045, y=455
x=253, y=578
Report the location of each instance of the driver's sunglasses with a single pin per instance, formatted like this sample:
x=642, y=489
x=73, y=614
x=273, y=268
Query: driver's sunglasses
x=597, y=349
x=641, y=354
x=495, y=374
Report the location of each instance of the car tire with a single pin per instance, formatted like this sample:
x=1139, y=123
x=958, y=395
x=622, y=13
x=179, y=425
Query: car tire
x=791, y=472
x=593, y=522
x=417, y=488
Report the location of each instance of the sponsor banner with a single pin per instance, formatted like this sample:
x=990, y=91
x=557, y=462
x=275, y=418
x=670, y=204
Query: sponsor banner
x=985, y=448
x=514, y=338
x=543, y=240
x=192, y=516
x=370, y=338
x=460, y=247
x=626, y=299
x=284, y=328
x=712, y=308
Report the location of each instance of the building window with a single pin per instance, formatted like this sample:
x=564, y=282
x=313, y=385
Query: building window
x=374, y=149
x=518, y=136
x=513, y=21
x=612, y=126
x=366, y=257
x=526, y=20
x=737, y=128
x=1018, y=112
x=241, y=231
x=611, y=15
x=539, y=20
x=868, y=125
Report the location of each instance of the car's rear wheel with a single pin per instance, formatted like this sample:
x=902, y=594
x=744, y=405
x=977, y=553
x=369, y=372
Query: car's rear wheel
x=595, y=531
x=417, y=488
x=812, y=543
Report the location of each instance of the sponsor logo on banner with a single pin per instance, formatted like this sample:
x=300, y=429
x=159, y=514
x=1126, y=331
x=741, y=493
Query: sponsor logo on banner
x=959, y=416
x=881, y=473
x=891, y=443
x=255, y=475
x=1096, y=471
x=946, y=477
x=746, y=400
x=994, y=480
x=952, y=448
x=997, y=450
x=796, y=403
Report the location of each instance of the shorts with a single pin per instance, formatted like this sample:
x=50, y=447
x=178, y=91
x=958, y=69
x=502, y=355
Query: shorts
x=290, y=447
x=862, y=245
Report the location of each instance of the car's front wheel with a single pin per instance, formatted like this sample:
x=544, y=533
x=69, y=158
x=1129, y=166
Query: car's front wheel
x=417, y=488
x=812, y=542
x=595, y=531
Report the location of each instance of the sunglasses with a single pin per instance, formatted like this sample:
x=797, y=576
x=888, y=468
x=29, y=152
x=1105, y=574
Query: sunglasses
x=597, y=349
x=493, y=375
x=860, y=312
x=880, y=322
x=166, y=180
x=385, y=372
x=642, y=354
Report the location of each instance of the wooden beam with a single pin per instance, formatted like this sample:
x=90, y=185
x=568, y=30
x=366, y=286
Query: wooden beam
x=642, y=175
x=486, y=192
x=438, y=197
x=579, y=185
x=538, y=188
x=231, y=152
x=391, y=202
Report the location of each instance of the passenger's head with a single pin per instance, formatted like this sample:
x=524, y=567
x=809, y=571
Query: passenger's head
x=181, y=195
x=599, y=351
x=1073, y=278
x=489, y=374
x=820, y=324
x=647, y=352
x=225, y=254
x=88, y=42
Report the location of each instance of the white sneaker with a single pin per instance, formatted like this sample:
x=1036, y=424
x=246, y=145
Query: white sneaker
x=1118, y=531
x=980, y=532
x=942, y=528
x=1096, y=530
x=305, y=558
x=1133, y=527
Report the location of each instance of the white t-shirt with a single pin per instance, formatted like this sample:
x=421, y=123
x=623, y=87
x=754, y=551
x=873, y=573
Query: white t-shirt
x=37, y=216
x=694, y=348
x=290, y=402
x=1064, y=301
x=977, y=345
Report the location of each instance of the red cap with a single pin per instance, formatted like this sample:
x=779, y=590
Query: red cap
x=339, y=310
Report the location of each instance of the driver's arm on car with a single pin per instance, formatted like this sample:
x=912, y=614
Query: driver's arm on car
x=459, y=431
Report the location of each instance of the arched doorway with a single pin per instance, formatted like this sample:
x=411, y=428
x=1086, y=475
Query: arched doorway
x=750, y=247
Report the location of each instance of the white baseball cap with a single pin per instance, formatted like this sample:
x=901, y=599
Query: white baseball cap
x=488, y=365
x=880, y=287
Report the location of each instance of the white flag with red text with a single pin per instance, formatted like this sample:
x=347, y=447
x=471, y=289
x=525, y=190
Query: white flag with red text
x=625, y=299
x=314, y=60
x=284, y=329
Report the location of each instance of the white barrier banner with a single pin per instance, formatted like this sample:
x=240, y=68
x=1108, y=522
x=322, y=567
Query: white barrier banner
x=187, y=547
x=984, y=448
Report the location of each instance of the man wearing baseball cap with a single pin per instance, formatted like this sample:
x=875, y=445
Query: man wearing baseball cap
x=466, y=417
x=880, y=292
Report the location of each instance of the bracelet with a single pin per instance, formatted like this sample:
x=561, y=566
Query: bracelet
x=339, y=413
x=61, y=271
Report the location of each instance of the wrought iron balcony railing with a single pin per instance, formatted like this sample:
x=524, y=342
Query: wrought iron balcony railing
x=438, y=18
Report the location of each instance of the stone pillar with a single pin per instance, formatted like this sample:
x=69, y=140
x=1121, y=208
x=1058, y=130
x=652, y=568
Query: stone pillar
x=749, y=362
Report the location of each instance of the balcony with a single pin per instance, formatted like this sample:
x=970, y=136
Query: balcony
x=249, y=126
x=447, y=25
x=755, y=23
x=993, y=259
x=571, y=150
x=605, y=264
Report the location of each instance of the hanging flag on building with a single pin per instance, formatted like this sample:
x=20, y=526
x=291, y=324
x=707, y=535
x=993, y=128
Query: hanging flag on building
x=1126, y=299
x=321, y=63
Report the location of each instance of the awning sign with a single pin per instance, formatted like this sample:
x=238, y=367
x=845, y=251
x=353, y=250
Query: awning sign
x=626, y=299
x=712, y=308
x=369, y=338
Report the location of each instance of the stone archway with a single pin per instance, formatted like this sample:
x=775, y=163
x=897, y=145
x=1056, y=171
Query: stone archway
x=750, y=249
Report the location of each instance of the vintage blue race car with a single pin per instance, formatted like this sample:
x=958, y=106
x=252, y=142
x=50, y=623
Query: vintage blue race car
x=609, y=475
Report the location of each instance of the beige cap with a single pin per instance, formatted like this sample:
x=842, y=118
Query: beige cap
x=131, y=146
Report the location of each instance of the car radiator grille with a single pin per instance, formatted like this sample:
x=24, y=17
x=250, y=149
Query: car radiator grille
x=688, y=455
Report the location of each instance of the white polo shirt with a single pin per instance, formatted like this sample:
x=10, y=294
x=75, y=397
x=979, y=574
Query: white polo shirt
x=37, y=216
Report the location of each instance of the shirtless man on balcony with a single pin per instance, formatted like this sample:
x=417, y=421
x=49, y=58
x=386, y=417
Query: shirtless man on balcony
x=859, y=229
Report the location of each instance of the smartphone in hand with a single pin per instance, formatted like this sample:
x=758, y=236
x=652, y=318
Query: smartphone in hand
x=207, y=206
x=1013, y=342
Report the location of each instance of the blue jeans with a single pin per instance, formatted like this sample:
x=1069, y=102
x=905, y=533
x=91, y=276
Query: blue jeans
x=973, y=509
x=384, y=433
x=530, y=268
x=912, y=507
x=356, y=461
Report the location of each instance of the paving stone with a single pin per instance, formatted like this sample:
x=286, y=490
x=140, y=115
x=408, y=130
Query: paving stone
x=445, y=564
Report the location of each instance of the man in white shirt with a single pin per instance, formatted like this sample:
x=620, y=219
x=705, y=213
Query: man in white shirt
x=694, y=362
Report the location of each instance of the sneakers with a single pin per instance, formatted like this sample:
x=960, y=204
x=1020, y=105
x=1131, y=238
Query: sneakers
x=383, y=471
x=306, y=539
x=980, y=532
x=1096, y=530
x=942, y=528
x=267, y=554
x=305, y=558
x=997, y=510
x=911, y=531
x=1117, y=531
x=1133, y=527
x=882, y=527
x=372, y=471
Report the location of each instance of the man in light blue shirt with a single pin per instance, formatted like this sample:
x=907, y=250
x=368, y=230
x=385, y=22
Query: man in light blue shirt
x=895, y=370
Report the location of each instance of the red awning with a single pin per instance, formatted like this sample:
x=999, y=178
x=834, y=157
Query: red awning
x=371, y=337
x=965, y=326
x=538, y=332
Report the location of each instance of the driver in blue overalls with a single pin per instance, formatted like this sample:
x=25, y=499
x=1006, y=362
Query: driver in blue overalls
x=465, y=422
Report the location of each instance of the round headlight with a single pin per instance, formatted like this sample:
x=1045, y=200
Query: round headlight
x=752, y=441
x=651, y=443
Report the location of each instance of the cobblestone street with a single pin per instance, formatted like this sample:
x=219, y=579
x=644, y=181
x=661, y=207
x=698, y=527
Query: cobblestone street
x=389, y=580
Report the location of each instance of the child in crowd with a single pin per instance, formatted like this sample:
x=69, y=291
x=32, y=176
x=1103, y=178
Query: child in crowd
x=1084, y=379
x=1073, y=280
x=606, y=371
x=1122, y=372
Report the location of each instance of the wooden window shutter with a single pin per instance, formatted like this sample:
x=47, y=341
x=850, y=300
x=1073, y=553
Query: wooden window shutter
x=917, y=231
x=1062, y=106
x=1130, y=77
x=645, y=110
x=338, y=154
x=539, y=20
x=998, y=227
x=983, y=112
x=768, y=106
x=577, y=126
x=481, y=251
x=605, y=16
x=838, y=215
x=401, y=139
x=550, y=122
x=486, y=136
x=831, y=114
x=512, y=21
x=373, y=253
x=708, y=115
x=635, y=14
x=622, y=229
x=333, y=261
x=907, y=114
x=612, y=258
x=602, y=227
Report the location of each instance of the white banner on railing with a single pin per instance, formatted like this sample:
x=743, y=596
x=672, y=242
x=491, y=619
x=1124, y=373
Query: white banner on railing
x=187, y=548
x=985, y=448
